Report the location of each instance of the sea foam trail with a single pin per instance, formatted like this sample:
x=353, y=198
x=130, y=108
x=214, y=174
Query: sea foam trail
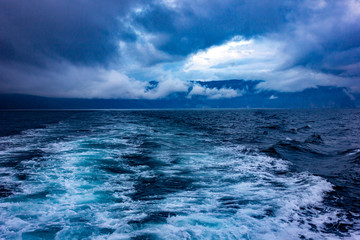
x=129, y=178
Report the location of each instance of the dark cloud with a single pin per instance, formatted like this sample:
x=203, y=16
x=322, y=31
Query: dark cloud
x=72, y=41
x=192, y=25
x=79, y=31
x=326, y=39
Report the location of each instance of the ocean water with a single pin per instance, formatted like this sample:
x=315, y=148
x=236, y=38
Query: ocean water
x=197, y=174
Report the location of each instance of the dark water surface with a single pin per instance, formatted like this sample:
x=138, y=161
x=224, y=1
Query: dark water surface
x=214, y=174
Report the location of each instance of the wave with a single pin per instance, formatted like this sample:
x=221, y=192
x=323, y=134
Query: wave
x=132, y=177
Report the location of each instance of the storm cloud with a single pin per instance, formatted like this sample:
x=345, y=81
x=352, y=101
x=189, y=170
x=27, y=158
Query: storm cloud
x=80, y=31
x=187, y=26
x=111, y=49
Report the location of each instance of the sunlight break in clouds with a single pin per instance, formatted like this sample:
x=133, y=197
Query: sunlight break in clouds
x=238, y=55
x=256, y=58
x=239, y=58
x=270, y=58
x=117, y=47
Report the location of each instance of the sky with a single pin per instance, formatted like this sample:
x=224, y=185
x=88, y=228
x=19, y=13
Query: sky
x=113, y=48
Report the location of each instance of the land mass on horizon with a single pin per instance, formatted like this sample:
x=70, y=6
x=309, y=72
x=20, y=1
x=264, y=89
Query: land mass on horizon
x=211, y=94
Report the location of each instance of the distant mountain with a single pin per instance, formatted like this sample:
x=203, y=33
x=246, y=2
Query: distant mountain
x=243, y=85
x=212, y=94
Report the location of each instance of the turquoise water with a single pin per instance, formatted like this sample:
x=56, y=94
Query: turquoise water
x=170, y=175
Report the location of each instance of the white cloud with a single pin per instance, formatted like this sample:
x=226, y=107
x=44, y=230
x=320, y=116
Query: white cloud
x=142, y=51
x=115, y=84
x=270, y=58
x=253, y=59
x=212, y=57
x=282, y=59
x=353, y=10
x=166, y=87
x=238, y=55
x=67, y=80
x=213, y=93
x=118, y=85
x=316, y=4
x=170, y=3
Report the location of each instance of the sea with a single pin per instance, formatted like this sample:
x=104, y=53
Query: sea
x=180, y=174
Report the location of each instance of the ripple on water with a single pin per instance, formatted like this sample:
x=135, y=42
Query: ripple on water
x=142, y=180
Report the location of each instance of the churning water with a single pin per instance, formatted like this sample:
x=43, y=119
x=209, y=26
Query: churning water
x=222, y=174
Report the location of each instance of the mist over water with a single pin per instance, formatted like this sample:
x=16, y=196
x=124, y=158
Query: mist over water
x=217, y=174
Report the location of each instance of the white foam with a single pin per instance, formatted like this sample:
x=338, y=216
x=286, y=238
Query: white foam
x=353, y=152
x=235, y=194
